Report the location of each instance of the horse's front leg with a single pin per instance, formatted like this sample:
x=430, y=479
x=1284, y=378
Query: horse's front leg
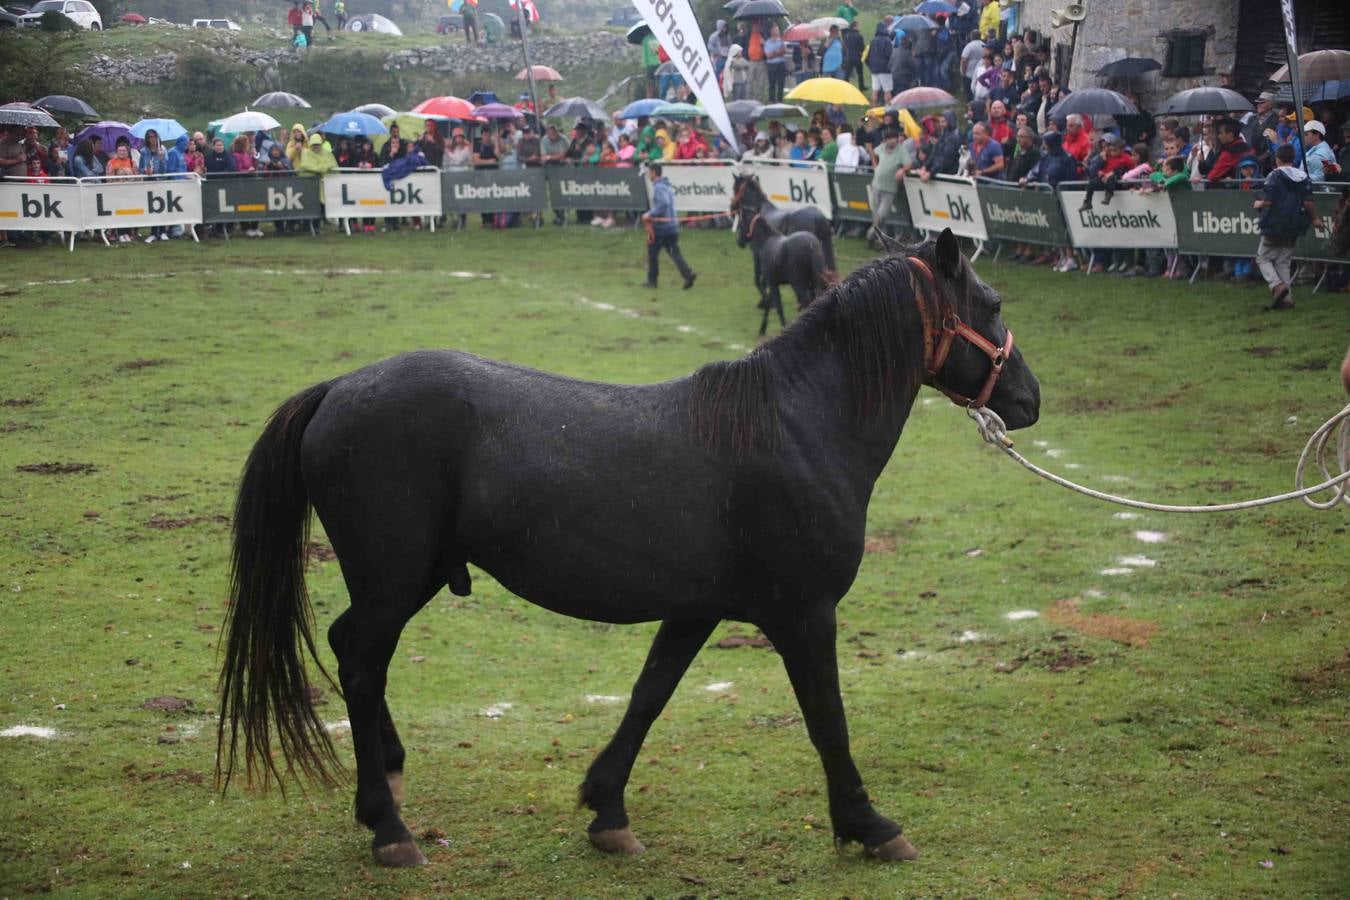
x=676, y=645
x=806, y=643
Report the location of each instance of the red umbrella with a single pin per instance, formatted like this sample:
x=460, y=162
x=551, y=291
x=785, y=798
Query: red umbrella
x=541, y=73
x=134, y=19
x=446, y=107
x=805, y=31
x=921, y=98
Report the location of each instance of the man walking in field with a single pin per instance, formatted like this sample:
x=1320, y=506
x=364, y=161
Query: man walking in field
x=1286, y=209
x=663, y=230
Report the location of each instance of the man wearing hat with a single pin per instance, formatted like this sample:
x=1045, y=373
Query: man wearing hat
x=1266, y=117
x=762, y=149
x=1317, y=154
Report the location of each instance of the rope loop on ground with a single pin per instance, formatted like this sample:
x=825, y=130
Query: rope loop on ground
x=1331, y=459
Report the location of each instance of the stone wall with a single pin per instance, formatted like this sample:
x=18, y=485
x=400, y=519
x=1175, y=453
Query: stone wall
x=450, y=58
x=1115, y=29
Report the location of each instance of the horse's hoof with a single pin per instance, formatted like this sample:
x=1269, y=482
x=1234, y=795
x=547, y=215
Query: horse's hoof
x=403, y=855
x=396, y=788
x=616, y=840
x=897, y=848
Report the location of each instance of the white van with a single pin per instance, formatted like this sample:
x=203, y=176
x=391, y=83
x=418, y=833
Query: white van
x=81, y=12
x=226, y=24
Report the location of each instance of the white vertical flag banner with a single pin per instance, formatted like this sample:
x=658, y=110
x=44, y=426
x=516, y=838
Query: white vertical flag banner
x=673, y=23
x=1291, y=49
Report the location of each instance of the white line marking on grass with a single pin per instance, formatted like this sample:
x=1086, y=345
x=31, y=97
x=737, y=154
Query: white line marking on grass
x=912, y=654
x=339, y=725
x=604, y=698
x=37, y=731
x=1125, y=515
x=1117, y=570
x=970, y=637
x=496, y=710
x=681, y=327
x=718, y=686
x=1017, y=615
x=1137, y=562
x=1117, y=479
x=1094, y=593
x=1150, y=537
x=1054, y=453
x=1073, y=465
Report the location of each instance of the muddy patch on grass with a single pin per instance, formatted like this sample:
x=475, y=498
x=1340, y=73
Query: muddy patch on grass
x=11, y=427
x=168, y=704
x=1134, y=632
x=317, y=551
x=880, y=543
x=18, y=402
x=136, y=365
x=57, y=468
x=1136, y=351
x=1261, y=351
x=1310, y=365
x=1327, y=679
x=1087, y=404
x=161, y=522
x=732, y=641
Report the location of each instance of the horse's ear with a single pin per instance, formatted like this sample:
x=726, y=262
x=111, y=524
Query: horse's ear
x=948, y=254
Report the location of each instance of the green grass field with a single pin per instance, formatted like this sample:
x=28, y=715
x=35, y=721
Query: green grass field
x=1176, y=730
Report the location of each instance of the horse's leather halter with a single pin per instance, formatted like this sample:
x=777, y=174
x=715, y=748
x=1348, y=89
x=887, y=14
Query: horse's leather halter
x=937, y=344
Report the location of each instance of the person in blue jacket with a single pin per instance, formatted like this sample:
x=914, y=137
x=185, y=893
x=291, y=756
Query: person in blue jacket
x=663, y=230
x=1287, y=209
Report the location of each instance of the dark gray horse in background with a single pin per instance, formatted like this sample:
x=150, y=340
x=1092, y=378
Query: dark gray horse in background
x=737, y=493
x=795, y=259
x=749, y=199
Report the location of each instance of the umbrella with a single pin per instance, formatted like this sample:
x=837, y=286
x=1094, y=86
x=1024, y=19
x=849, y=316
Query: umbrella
x=908, y=124
x=637, y=33
x=483, y=98
x=378, y=110
x=759, y=9
x=1210, y=100
x=71, y=106
x=107, y=131
x=541, y=73
x=679, y=111
x=826, y=90
x=1320, y=65
x=168, y=129
x=732, y=4
x=134, y=19
x=1322, y=92
x=282, y=99
x=25, y=115
x=913, y=23
x=641, y=108
x=576, y=108
x=826, y=21
x=372, y=22
x=493, y=27
x=1129, y=67
x=351, y=125
x=249, y=120
x=742, y=111
x=1094, y=102
x=922, y=98
x=497, y=111
x=805, y=31
x=935, y=8
x=448, y=106
x=782, y=111
x=667, y=68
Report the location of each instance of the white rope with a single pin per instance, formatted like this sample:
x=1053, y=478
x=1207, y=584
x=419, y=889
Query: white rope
x=1317, y=450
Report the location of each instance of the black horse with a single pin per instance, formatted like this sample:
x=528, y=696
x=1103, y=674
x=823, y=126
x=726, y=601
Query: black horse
x=739, y=492
x=795, y=259
x=748, y=199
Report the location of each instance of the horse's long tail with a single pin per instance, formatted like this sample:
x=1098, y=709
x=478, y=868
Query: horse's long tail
x=268, y=628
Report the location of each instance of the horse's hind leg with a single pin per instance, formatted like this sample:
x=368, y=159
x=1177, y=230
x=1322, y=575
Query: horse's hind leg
x=806, y=643
x=390, y=744
x=676, y=645
x=777, y=300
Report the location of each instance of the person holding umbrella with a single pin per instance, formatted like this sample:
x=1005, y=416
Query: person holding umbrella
x=663, y=230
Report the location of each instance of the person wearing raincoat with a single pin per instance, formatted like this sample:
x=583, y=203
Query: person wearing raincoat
x=296, y=144
x=316, y=160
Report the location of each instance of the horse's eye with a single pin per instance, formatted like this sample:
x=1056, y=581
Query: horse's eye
x=998, y=308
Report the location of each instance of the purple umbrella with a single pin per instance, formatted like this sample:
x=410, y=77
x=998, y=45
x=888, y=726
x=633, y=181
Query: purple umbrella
x=109, y=131
x=497, y=111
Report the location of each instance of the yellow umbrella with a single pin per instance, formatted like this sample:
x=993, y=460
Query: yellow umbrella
x=827, y=90
x=908, y=124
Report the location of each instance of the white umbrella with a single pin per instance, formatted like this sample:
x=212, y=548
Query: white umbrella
x=249, y=120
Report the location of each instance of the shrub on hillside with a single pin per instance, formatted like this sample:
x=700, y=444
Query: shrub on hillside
x=332, y=80
x=205, y=81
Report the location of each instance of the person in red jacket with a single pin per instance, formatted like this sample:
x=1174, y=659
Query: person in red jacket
x=1114, y=162
x=1232, y=148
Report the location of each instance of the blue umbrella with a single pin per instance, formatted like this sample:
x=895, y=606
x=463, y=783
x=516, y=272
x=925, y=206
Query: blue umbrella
x=483, y=98
x=639, y=108
x=913, y=23
x=168, y=129
x=353, y=124
x=679, y=111
x=935, y=8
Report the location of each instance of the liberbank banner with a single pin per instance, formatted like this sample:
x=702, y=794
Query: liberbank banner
x=141, y=202
x=1132, y=219
x=701, y=187
x=596, y=188
x=1022, y=214
x=1223, y=223
x=853, y=200
x=791, y=186
x=259, y=198
x=40, y=205
x=359, y=194
x=494, y=190
x=946, y=202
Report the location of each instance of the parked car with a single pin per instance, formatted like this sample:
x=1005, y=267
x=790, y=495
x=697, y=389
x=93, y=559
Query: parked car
x=625, y=17
x=9, y=19
x=224, y=24
x=449, y=24
x=81, y=12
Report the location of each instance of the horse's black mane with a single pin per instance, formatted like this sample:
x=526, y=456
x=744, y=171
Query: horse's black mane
x=864, y=319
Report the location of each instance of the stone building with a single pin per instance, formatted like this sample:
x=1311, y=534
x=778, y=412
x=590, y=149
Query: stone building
x=1198, y=42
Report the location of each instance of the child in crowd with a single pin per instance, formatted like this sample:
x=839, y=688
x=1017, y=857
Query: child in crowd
x=1249, y=174
x=121, y=166
x=1108, y=169
x=1172, y=177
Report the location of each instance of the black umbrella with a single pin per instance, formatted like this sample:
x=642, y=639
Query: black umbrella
x=577, y=108
x=759, y=9
x=638, y=32
x=70, y=106
x=742, y=111
x=1204, y=100
x=732, y=4
x=278, y=99
x=378, y=110
x=1094, y=102
x=1129, y=67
